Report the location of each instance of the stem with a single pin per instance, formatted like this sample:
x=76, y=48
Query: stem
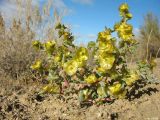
x=157, y=53
x=66, y=83
x=148, y=44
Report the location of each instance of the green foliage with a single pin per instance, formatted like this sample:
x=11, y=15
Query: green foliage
x=146, y=70
x=100, y=69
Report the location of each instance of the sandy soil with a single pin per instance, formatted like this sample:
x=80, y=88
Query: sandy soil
x=25, y=104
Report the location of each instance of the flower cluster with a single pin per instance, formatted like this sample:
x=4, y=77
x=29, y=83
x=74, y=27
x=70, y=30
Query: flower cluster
x=106, y=50
x=76, y=62
x=57, y=60
x=125, y=30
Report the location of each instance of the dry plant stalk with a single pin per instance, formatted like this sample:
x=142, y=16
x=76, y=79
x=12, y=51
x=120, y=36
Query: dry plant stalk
x=149, y=37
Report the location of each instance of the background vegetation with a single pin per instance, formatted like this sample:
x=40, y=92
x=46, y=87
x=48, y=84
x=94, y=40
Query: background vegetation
x=148, y=38
x=16, y=37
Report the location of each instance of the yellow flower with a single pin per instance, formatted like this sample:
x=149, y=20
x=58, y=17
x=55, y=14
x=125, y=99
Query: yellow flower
x=116, y=26
x=82, y=54
x=106, y=60
x=124, y=31
x=115, y=88
x=82, y=58
x=50, y=46
x=107, y=46
x=37, y=44
x=91, y=79
x=129, y=15
x=57, y=58
x=101, y=70
x=124, y=11
x=123, y=8
x=133, y=76
x=51, y=89
x=80, y=61
x=117, y=91
x=71, y=67
x=37, y=65
x=106, y=35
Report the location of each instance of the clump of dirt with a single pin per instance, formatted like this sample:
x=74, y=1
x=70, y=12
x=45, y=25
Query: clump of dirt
x=24, y=103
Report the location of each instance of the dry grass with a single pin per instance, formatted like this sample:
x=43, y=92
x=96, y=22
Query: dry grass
x=16, y=51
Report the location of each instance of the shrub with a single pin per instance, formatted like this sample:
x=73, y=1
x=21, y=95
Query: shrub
x=150, y=36
x=100, y=69
x=16, y=53
x=17, y=34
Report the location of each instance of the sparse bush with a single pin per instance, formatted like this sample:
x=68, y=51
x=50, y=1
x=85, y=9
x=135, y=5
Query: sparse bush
x=150, y=37
x=16, y=51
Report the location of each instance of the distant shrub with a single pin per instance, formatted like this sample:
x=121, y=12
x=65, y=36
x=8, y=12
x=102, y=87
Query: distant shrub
x=150, y=36
x=16, y=53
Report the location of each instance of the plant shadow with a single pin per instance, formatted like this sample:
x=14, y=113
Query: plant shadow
x=139, y=90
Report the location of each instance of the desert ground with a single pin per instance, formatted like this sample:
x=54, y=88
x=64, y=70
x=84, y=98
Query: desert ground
x=22, y=102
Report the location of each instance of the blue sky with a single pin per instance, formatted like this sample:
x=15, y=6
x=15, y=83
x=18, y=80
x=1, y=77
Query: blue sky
x=88, y=17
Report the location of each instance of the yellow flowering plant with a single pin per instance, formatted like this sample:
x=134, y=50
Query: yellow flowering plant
x=100, y=68
x=58, y=64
